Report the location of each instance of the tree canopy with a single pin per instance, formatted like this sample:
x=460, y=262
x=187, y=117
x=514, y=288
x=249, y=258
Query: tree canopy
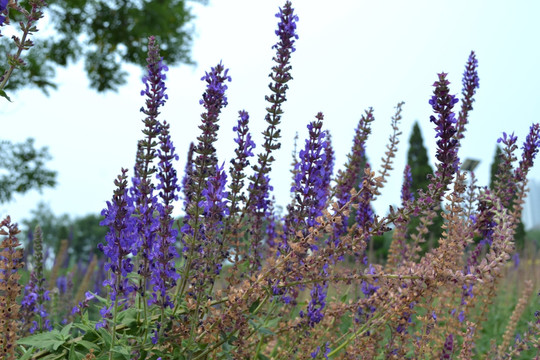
x=105, y=34
x=22, y=169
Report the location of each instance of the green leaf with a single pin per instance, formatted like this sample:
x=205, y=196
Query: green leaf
x=74, y=355
x=254, y=306
x=128, y=317
x=266, y=332
x=51, y=340
x=26, y=353
x=65, y=332
x=106, y=336
x=4, y=95
x=87, y=344
x=262, y=357
x=122, y=351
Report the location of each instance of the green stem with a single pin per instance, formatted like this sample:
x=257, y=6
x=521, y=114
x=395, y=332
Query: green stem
x=113, y=331
x=8, y=73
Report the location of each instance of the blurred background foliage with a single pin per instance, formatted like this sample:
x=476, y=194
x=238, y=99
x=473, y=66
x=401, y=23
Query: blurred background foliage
x=104, y=34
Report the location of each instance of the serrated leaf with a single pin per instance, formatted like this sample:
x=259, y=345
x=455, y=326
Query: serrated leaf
x=65, y=332
x=51, y=340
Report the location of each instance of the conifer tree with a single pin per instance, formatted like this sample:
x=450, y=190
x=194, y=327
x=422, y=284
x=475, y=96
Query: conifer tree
x=418, y=160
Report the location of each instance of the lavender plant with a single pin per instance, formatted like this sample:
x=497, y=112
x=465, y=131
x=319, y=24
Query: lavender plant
x=236, y=280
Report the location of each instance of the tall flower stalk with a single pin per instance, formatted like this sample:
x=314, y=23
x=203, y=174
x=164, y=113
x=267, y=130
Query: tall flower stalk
x=280, y=75
x=204, y=166
x=10, y=262
x=35, y=295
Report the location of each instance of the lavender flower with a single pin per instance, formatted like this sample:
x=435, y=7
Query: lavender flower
x=280, y=75
x=210, y=248
x=312, y=179
x=164, y=275
x=3, y=8
x=349, y=178
x=448, y=348
x=215, y=204
x=33, y=304
x=121, y=240
x=213, y=100
x=35, y=296
x=505, y=185
x=142, y=190
x=470, y=84
x=316, y=304
x=286, y=29
x=188, y=173
x=243, y=151
x=530, y=149
x=442, y=103
x=205, y=164
x=154, y=80
x=406, y=193
x=88, y=296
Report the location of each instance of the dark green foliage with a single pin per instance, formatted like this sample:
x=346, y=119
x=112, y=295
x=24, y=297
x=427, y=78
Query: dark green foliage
x=417, y=158
x=421, y=170
x=495, y=166
x=23, y=169
x=53, y=228
x=105, y=35
x=83, y=233
x=87, y=234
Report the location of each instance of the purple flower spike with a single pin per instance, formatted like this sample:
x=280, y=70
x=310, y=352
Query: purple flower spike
x=120, y=240
x=3, y=7
x=406, y=193
x=442, y=103
x=448, y=348
x=154, y=80
x=470, y=84
x=215, y=204
x=354, y=169
x=243, y=151
x=312, y=178
x=164, y=275
x=530, y=149
x=214, y=98
x=286, y=27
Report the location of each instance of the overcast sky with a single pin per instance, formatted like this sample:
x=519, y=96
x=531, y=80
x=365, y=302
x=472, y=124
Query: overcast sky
x=351, y=55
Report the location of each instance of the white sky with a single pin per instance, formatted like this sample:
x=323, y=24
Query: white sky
x=350, y=55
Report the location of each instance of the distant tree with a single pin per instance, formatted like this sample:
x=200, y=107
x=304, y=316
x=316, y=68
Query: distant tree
x=53, y=228
x=86, y=235
x=105, y=34
x=83, y=233
x=23, y=169
x=495, y=166
x=418, y=160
